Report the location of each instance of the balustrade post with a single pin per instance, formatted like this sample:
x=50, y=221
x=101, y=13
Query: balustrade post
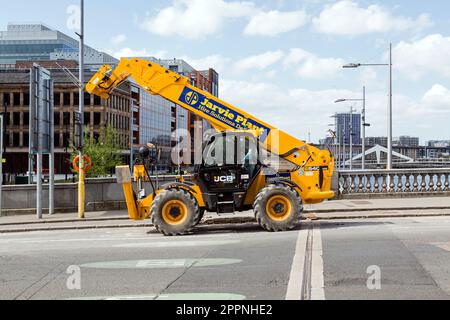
x=385, y=181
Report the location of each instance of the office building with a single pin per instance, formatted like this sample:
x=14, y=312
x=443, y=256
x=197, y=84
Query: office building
x=406, y=141
x=14, y=103
x=439, y=143
x=346, y=123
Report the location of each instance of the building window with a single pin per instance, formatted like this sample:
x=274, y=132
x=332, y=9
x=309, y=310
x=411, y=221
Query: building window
x=87, y=118
x=26, y=99
x=87, y=99
x=16, y=98
x=66, y=118
x=97, y=101
x=26, y=140
x=16, y=139
x=97, y=118
x=56, y=140
x=66, y=97
x=16, y=119
x=66, y=140
x=56, y=119
x=26, y=118
x=76, y=99
x=6, y=99
x=57, y=99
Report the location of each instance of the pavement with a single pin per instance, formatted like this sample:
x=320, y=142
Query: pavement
x=385, y=258
x=328, y=210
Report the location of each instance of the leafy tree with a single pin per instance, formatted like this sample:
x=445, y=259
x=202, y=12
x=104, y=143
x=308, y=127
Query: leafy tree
x=103, y=151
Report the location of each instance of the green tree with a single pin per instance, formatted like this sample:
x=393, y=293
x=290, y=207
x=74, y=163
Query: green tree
x=103, y=151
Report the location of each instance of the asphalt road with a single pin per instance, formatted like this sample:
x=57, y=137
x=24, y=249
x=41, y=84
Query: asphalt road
x=402, y=258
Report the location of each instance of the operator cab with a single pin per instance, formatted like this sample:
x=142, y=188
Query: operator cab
x=229, y=166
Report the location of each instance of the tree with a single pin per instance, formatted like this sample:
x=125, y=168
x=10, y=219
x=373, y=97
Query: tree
x=104, y=152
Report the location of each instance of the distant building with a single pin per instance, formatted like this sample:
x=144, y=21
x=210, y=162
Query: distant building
x=37, y=42
x=373, y=141
x=439, y=143
x=406, y=141
x=14, y=103
x=346, y=122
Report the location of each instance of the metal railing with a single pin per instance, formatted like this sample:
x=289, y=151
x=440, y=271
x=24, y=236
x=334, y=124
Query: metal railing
x=404, y=181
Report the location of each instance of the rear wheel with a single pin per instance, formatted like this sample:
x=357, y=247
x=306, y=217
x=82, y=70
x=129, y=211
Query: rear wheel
x=175, y=212
x=278, y=208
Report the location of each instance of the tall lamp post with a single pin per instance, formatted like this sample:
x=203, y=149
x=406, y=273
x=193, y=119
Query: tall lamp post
x=389, y=134
x=364, y=125
x=81, y=183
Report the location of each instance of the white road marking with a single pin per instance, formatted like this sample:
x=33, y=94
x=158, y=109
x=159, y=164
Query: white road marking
x=442, y=245
x=294, y=289
x=171, y=296
x=160, y=263
x=317, y=278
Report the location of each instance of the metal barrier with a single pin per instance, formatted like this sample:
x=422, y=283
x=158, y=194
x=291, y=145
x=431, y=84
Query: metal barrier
x=432, y=181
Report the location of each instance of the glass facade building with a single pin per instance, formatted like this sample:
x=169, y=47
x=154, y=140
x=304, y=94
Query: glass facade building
x=346, y=122
x=37, y=42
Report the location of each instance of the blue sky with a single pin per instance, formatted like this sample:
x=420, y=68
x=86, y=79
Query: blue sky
x=281, y=60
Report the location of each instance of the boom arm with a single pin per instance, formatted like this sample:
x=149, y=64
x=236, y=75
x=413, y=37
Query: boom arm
x=158, y=80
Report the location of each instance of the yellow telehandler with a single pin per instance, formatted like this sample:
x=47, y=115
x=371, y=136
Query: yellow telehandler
x=233, y=174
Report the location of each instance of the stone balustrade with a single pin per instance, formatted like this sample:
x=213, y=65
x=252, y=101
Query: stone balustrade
x=396, y=182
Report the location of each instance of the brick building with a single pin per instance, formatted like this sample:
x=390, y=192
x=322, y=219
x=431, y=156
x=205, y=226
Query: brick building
x=14, y=102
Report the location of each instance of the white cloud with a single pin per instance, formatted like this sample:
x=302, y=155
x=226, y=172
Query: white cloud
x=215, y=61
x=308, y=65
x=430, y=54
x=298, y=111
x=118, y=39
x=437, y=99
x=275, y=22
x=128, y=52
x=260, y=62
x=294, y=111
x=195, y=18
x=348, y=18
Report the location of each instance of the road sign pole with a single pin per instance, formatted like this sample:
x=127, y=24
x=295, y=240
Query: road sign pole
x=51, y=157
x=39, y=186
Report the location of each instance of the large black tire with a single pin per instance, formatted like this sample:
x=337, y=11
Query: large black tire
x=175, y=212
x=282, y=215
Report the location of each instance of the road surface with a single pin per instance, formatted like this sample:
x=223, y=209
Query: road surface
x=398, y=258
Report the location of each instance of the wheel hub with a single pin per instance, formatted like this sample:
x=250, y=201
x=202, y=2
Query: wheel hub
x=279, y=207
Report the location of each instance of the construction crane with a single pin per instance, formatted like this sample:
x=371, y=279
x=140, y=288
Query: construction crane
x=270, y=171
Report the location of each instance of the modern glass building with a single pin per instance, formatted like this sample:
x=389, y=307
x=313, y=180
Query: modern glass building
x=346, y=123
x=37, y=42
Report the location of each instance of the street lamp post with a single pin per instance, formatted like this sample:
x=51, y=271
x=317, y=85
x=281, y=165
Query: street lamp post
x=81, y=185
x=389, y=124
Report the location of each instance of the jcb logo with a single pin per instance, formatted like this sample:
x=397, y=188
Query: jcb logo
x=192, y=98
x=226, y=179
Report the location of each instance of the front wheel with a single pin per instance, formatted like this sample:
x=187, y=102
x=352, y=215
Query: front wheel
x=175, y=212
x=278, y=208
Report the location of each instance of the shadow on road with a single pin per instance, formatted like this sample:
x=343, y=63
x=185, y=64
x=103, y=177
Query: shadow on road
x=250, y=227
x=349, y=224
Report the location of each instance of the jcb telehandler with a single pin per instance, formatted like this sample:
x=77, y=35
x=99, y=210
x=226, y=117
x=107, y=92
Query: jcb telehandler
x=276, y=193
